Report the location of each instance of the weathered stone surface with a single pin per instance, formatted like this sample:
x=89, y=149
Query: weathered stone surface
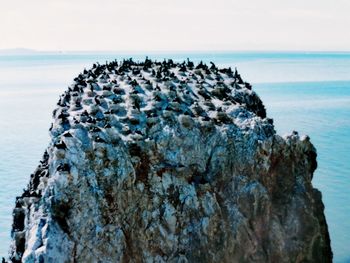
x=168, y=162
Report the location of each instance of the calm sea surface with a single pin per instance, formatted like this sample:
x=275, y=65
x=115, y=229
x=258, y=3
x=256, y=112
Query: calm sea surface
x=307, y=92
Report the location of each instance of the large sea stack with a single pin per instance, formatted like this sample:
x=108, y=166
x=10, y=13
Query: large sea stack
x=169, y=162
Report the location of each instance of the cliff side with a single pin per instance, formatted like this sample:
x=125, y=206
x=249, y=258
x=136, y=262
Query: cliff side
x=169, y=162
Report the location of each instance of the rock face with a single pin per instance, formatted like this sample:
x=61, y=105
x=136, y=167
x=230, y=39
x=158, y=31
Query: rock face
x=169, y=162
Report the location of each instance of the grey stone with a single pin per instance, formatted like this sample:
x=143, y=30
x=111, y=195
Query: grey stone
x=202, y=179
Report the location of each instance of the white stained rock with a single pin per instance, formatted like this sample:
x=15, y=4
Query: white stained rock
x=169, y=162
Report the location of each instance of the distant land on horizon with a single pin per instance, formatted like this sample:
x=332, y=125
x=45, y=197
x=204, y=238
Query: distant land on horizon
x=28, y=51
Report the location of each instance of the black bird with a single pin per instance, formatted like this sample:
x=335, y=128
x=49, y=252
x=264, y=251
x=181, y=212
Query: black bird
x=213, y=67
x=117, y=100
x=157, y=98
x=238, y=77
x=198, y=110
x=25, y=193
x=227, y=71
x=170, y=63
x=190, y=64
x=177, y=99
x=136, y=71
x=63, y=115
x=67, y=134
x=119, y=91
x=107, y=88
x=183, y=67
x=134, y=83
x=204, y=93
x=95, y=129
x=85, y=113
x=61, y=145
x=206, y=118
x=98, y=102
x=200, y=74
x=78, y=104
x=200, y=65
x=63, y=168
x=248, y=85
x=76, y=88
x=159, y=75
x=147, y=64
x=91, y=120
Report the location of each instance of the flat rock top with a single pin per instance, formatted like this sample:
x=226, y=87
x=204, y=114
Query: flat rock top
x=132, y=96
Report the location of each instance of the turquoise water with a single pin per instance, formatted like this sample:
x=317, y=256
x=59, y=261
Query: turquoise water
x=322, y=110
x=308, y=92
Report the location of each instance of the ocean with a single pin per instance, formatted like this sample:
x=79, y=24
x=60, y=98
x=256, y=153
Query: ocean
x=304, y=91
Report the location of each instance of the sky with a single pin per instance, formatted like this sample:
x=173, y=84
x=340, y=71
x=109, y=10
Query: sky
x=175, y=25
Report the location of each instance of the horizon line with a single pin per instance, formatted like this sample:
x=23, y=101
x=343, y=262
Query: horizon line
x=29, y=50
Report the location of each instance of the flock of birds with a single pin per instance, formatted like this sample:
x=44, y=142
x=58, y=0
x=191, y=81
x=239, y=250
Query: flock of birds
x=132, y=96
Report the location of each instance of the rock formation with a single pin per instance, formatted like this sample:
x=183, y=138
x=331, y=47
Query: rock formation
x=169, y=162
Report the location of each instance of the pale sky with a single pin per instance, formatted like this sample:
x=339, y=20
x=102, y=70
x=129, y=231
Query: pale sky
x=165, y=25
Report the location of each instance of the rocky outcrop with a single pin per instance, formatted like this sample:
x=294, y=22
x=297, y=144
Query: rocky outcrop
x=169, y=162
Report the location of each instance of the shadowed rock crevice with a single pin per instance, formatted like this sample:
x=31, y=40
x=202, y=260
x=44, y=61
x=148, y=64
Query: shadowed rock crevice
x=169, y=162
